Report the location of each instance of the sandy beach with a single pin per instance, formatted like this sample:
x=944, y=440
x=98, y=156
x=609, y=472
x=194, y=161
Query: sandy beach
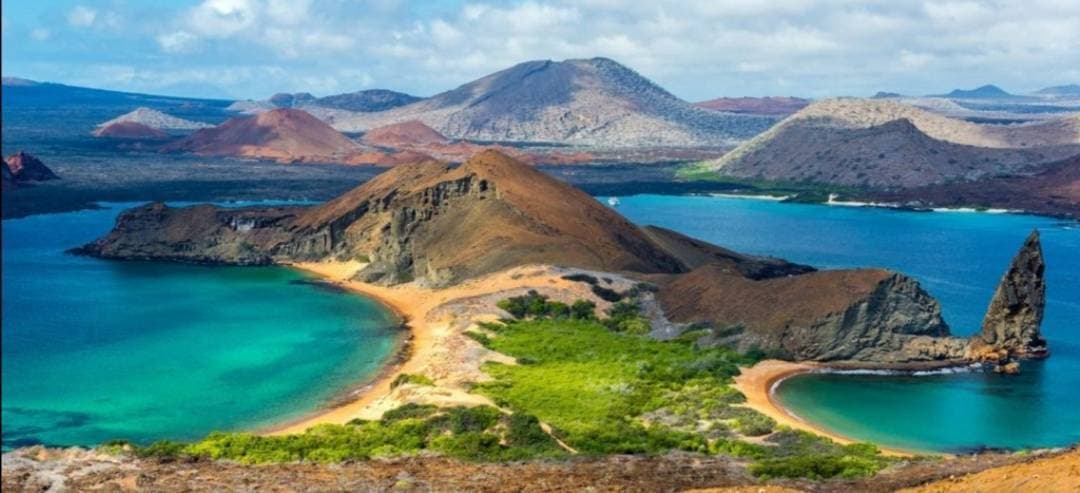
x=758, y=382
x=437, y=347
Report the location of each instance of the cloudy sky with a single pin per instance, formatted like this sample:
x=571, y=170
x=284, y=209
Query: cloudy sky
x=698, y=49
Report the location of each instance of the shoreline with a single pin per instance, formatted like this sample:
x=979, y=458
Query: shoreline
x=759, y=383
x=358, y=398
x=413, y=305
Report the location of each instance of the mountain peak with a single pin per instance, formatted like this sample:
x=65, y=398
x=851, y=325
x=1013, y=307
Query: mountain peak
x=594, y=101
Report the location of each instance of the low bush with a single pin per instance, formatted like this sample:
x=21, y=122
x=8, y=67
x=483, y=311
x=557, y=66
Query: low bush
x=407, y=378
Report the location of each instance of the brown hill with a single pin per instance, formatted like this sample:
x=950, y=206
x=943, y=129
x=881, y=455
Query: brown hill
x=129, y=130
x=406, y=134
x=284, y=135
x=888, y=145
x=770, y=105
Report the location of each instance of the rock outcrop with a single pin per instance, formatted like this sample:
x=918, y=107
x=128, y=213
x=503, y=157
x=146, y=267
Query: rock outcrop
x=865, y=315
x=1011, y=328
x=23, y=167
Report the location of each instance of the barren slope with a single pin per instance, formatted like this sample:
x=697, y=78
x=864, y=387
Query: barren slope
x=285, y=135
x=591, y=102
x=886, y=144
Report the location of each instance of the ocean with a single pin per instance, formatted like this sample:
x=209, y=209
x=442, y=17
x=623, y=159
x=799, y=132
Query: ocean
x=96, y=350
x=959, y=258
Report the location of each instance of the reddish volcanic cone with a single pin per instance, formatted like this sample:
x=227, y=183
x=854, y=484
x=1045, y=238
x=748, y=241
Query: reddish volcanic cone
x=129, y=130
x=406, y=134
x=283, y=134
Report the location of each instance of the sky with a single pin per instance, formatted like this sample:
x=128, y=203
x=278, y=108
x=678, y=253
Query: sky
x=697, y=49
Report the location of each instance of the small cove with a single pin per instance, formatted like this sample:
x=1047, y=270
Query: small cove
x=96, y=350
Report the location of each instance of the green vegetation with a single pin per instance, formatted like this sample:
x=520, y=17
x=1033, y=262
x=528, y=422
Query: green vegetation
x=476, y=433
x=601, y=384
x=799, y=192
x=535, y=305
x=405, y=378
x=606, y=389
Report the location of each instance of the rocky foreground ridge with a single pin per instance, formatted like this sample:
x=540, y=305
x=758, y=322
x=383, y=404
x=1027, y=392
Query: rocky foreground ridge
x=437, y=224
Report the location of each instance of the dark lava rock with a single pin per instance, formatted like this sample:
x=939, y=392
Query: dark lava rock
x=1012, y=321
x=24, y=167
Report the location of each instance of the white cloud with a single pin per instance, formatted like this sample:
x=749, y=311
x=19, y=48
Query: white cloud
x=177, y=42
x=81, y=16
x=697, y=48
x=40, y=34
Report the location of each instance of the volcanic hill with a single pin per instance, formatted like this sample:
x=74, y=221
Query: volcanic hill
x=887, y=144
x=129, y=130
x=285, y=135
x=155, y=119
x=586, y=102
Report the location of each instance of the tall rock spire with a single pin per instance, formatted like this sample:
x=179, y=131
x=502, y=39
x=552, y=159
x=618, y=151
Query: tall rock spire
x=1012, y=321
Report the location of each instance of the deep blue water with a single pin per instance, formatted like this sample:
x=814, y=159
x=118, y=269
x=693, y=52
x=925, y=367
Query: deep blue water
x=95, y=350
x=958, y=257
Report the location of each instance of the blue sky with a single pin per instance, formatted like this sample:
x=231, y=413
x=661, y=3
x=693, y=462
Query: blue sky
x=698, y=49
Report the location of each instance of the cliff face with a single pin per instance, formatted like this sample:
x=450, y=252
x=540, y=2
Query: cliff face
x=867, y=315
x=1012, y=322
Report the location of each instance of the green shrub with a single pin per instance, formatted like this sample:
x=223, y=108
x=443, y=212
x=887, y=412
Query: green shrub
x=816, y=467
x=162, y=449
x=480, y=337
x=583, y=310
x=409, y=411
x=405, y=378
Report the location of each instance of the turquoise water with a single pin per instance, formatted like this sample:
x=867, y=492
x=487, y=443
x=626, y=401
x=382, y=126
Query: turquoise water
x=96, y=350
x=958, y=257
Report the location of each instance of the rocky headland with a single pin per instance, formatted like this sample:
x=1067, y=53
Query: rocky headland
x=437, y=225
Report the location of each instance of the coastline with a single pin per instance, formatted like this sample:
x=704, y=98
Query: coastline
x=416, y=306
x=759, y=382
x=416, y=341
x=435, y=345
